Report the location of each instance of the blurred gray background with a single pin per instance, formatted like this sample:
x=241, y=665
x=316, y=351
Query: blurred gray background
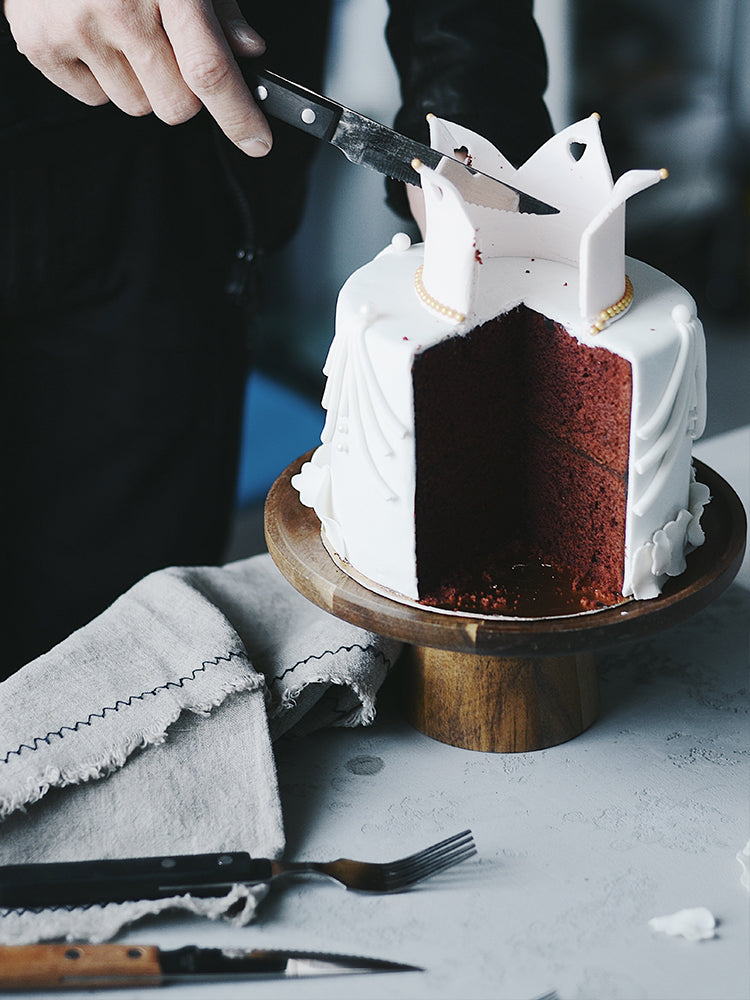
x=671, y=83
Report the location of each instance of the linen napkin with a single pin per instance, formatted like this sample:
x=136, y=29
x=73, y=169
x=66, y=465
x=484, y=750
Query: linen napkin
x=150, y=730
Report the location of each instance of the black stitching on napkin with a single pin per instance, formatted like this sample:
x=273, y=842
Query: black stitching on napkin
x=334, y=652
x=120, y=703
x=67, y=907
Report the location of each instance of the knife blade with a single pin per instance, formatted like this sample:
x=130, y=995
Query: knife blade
x=102, y=966
x=367, y=142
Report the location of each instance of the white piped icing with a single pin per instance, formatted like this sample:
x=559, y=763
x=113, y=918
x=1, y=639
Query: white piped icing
x=472, y=263
x=664, y=555
x=401, y=242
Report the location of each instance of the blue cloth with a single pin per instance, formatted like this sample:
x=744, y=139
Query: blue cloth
x=279, y=425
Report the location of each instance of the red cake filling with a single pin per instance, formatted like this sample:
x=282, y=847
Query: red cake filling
x=522, y=440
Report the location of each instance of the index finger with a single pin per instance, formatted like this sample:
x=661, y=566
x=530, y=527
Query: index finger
x=209, y=69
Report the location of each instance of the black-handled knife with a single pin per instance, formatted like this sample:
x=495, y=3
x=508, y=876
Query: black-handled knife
x=117, y=966
x=371, y=144
x=81, y=883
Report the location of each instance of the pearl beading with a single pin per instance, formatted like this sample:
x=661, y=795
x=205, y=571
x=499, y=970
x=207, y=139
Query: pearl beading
x=432, y=302
x=606, y=316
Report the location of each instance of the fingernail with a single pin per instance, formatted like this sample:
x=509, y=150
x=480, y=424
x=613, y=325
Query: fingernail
x=255, y=146
x=245, y=34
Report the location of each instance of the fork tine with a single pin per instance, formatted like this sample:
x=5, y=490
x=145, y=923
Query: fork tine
x=417, y=873
x=444, y=850
x=404, y=881
x=438, y=864
x=431, y=853
x=443, y=844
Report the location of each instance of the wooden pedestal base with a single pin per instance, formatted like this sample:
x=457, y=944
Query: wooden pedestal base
x=496, y=704
x=501, y=684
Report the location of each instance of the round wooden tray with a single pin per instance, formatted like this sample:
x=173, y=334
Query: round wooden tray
x=502, y=684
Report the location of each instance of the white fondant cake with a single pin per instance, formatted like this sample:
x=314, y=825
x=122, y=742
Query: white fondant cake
x=479, y=263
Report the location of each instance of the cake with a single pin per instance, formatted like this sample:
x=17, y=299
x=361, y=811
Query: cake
x=511, y=405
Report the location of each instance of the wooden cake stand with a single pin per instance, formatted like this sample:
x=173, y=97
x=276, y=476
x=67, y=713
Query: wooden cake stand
x=497, y=684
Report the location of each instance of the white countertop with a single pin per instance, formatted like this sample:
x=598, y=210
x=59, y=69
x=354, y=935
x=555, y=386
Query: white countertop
x=578, y=845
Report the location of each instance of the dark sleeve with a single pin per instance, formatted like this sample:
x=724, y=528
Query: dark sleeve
x=276, y=185
x=480, y=63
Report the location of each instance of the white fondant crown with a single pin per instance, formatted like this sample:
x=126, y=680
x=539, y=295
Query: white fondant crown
x=570, y=172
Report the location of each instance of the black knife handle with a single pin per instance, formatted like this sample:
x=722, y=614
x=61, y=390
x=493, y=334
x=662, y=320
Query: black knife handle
x=295, y=105
x=79, y=883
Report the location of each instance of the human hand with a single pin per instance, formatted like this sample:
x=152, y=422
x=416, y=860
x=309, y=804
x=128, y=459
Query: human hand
x=166, y=56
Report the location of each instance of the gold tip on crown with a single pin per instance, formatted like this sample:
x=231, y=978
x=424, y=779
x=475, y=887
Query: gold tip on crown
x=664, y=173
x=429, y=115
x=595, y=114
x=416, y=163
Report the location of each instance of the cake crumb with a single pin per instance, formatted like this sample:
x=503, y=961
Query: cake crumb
x=695, y=924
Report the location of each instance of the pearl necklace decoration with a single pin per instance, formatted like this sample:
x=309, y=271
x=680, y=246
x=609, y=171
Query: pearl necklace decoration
x=606, y=316
x=432, y=302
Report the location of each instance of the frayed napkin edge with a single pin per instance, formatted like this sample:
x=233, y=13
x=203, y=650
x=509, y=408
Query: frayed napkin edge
x=34, y=787
x=362, y=715
x=237, y=908
x=280, y=702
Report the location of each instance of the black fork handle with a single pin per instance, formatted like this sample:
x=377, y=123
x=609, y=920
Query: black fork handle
x=80, y=883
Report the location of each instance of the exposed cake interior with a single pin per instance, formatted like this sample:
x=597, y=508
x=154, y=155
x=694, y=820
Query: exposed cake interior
x=521, y=436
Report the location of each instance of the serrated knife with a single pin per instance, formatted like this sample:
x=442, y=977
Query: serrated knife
x=118, y=966
x=371, y=144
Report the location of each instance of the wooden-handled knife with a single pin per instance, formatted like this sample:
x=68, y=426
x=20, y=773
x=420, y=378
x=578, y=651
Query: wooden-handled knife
x=110, y=966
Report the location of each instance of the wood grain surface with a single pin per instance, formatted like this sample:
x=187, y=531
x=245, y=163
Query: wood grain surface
x=499, y=704
x=78, y=966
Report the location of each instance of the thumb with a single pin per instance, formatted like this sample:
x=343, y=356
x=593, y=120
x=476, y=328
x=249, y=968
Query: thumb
x=243, y=40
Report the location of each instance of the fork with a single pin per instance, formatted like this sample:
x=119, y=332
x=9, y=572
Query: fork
x=394, y=876
x=82, y=883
